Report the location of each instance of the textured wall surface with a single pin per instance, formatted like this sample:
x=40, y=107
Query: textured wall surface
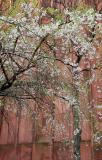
x=17, y=132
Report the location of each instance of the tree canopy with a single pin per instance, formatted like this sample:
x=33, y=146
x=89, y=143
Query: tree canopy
x=42, y=55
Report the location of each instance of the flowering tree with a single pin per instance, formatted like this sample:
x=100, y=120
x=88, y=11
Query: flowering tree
x=32, y=55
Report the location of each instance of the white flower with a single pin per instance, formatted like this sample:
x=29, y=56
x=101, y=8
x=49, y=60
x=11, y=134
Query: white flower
x=98, y=16
x=66, y=11
x=66, y=61
x=76, y=131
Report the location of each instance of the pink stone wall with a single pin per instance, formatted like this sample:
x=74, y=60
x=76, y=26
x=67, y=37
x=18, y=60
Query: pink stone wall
x=17, y=141
x=17, y=136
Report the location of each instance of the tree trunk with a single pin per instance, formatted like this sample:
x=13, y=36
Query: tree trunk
x=76, y=114
x=77, y=133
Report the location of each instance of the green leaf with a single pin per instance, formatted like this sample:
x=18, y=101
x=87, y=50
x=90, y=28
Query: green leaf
x=52, y=11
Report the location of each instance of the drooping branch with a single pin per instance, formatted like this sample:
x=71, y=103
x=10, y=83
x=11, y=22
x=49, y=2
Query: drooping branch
x=9, y=81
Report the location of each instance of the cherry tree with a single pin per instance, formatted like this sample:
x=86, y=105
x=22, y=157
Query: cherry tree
x=33, y=53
